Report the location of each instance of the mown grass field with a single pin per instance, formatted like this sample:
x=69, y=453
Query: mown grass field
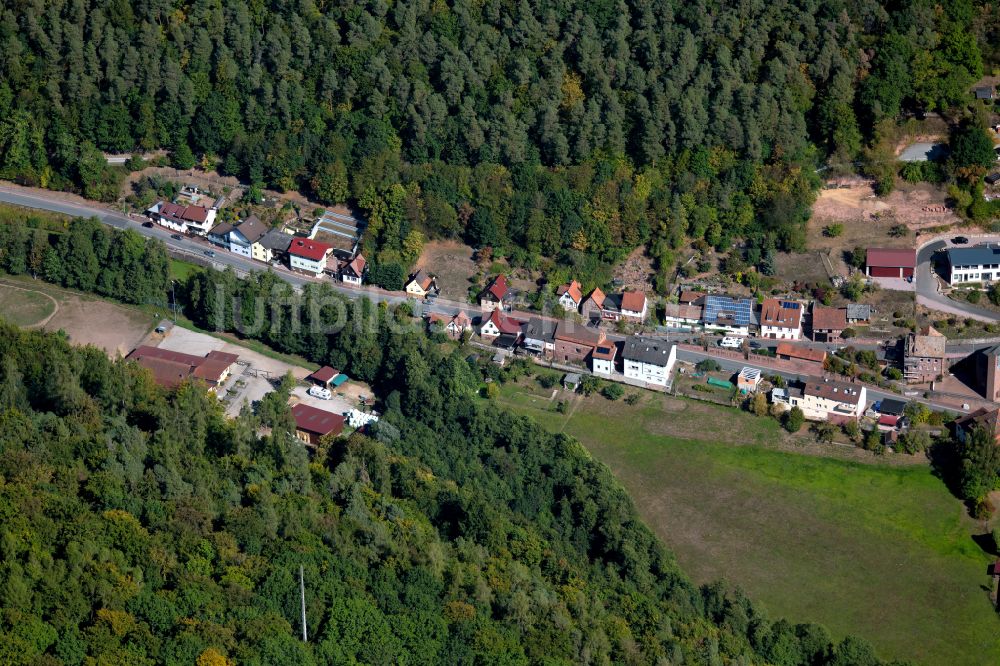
x=25, y=307
x=878, y=549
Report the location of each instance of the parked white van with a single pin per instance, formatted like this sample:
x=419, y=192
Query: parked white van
x=731, y=342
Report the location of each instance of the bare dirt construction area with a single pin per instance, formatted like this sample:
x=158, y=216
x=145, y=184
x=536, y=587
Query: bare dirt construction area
x=867, y=218
x=87, y=320
x=452, y=263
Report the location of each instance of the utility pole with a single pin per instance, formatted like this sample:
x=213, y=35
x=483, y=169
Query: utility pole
x=302, y=590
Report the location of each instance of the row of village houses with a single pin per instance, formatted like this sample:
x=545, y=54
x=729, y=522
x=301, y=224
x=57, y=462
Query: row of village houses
x=329, y=248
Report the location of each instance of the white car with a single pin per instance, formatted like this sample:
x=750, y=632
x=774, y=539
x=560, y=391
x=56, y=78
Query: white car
x=731, y=342
x=320, y=392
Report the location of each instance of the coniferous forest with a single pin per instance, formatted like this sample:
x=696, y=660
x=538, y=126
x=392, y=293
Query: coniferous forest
x=574, y=130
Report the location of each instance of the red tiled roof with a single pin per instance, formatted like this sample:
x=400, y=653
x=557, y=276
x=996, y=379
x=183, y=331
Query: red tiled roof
x=422, y=279
x=606, y=351
x=222, y=356
x=165, y=372
x=357, y=265
x=778, y=313
x=829, y=319
x=573, y=288
x=498, y=288
x=801, y=353
x=506, y=324
x=833, y=390
x=597, y=296
x=309, y=249
x=187, y=213
x=324, y=374
x=689, y=297
x=892, y=257
x=888, y=420
x=633, y=301
x=167, y=366
x=317, y=421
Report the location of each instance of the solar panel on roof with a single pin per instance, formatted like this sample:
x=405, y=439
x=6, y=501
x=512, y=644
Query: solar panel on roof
x=789, y=305
x=724, y=307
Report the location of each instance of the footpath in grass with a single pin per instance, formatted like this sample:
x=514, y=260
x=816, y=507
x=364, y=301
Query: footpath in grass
x=25, y=307
x=879, y=550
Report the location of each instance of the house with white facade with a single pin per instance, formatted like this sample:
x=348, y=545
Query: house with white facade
x=831, y=400
x=219, y=234
x=185, y=219
x=682, y=315
x=498, y=324
x=781, y=320
x=308, y=255
x=728, y=314
x=244, y=239
x=634, y=306
x=420, y=284
x=973, y=264
x=649, y=360
x=602, y=359
x=353, y=271
x=570, y=296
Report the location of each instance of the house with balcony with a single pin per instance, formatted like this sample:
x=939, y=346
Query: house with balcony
x=649, y=360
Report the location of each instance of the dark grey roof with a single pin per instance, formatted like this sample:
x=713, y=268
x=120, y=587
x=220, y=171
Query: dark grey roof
x=984, y=92
x=859, y=311
x=647, y=350
x=537, y=328
x=275, y=240
x=892, y=406
x=993, y=178
x=974, y=256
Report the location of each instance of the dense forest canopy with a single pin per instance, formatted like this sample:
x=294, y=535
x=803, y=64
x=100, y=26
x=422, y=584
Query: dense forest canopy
x=577, y=130
x=138, y=527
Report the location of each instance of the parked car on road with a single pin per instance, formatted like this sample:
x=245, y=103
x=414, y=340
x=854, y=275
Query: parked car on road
x=754, y=344
x=320, y=392
x=177, y=236
x=161, y=329
x=731, y=342
x=147, y=224
x=210, y=253
x=960, y=240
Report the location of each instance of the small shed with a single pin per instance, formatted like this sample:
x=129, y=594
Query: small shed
x=572, y=381
x=339, y=379
x=748, y=380
x=324, y=377
x=993, y=178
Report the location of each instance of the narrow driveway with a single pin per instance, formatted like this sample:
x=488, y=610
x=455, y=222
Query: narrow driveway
x=927, y=287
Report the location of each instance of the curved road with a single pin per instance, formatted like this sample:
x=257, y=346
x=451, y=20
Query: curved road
x=927, y=287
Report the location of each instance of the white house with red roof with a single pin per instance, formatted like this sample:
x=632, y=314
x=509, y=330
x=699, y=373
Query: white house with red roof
x=493, y=296
x=500, y=324
x=179, y=217
x=305, y=254
x=634, y=306
x=353, y=271
x=570, y=295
